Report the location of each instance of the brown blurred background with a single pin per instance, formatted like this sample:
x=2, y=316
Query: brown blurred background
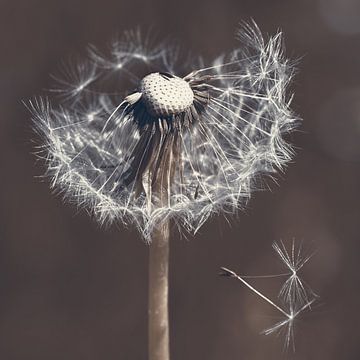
x=70, y=290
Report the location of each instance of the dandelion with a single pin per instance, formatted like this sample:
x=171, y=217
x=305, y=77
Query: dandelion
x=187, y=142
x=295, y=296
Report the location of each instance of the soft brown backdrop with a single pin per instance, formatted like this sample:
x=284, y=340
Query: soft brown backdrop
x=70, y=290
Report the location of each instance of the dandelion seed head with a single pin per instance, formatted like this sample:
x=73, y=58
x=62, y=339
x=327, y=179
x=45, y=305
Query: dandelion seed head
x=176, y=147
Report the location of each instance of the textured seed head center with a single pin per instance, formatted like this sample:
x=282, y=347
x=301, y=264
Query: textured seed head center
x=165, y=95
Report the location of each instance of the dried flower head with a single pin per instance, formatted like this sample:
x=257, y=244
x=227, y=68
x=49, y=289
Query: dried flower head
x=183, y=145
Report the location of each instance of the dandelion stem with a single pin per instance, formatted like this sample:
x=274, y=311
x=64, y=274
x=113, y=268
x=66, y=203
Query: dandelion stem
x=158, y=294
x=157, y=181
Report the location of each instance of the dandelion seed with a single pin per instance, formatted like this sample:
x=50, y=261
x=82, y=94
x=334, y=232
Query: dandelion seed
x=296, y=297
x=75, y=80
x=286, y=327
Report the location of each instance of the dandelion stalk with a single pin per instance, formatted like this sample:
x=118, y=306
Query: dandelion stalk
x=158, y=294
x=158, y=312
